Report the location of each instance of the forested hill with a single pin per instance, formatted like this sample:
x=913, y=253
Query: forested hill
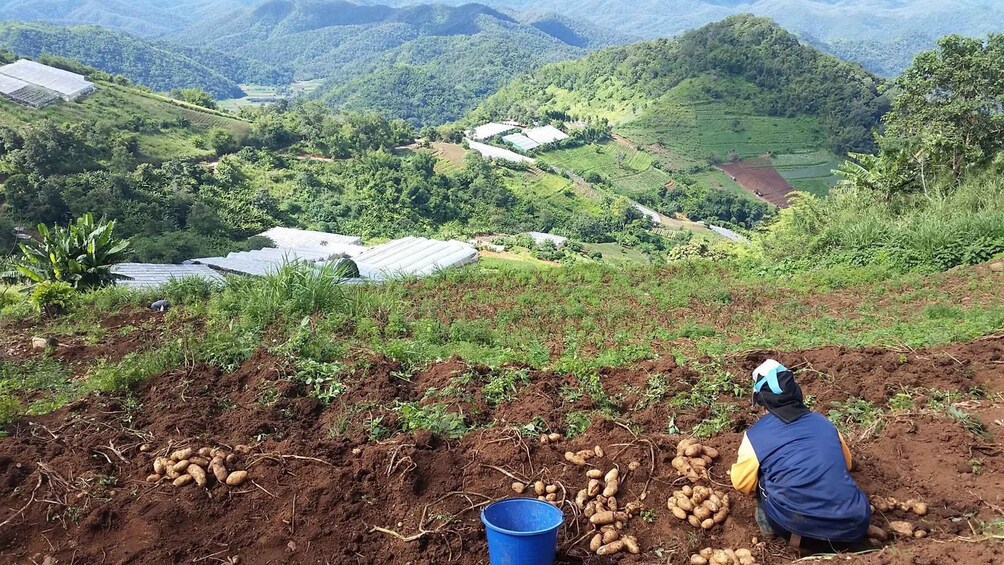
x=139, y=60
x=748, y=66
x=427, y=63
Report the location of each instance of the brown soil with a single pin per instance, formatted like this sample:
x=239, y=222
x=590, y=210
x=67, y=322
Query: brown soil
x=761, y=178
x=72, y=483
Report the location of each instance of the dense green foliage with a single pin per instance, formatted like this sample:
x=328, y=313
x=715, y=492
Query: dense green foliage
x=931, y=197
x=788, y=80
x=119, y=54
x=81, y=254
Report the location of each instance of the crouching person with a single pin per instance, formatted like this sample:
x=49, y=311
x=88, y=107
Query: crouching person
x=798, y=464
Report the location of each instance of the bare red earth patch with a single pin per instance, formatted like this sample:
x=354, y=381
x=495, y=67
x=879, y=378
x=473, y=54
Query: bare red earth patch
x=761, y=178
x=323, y=489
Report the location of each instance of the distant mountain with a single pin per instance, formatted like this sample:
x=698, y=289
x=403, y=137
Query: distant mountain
x=145, y=18
x=159, y=66
x=427, y=63
x=857, y=28
x=743, y=85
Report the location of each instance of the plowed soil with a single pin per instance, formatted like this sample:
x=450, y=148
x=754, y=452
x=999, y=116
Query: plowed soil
x=321, y=490
x=760, y=176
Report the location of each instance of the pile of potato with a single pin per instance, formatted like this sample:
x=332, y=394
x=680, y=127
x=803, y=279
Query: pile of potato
x=701, y=506
x=599, y=503
x=185, y=466
x=579, y=458
x=550, y=492
x=693, y=459
x=550, y=438
x=708, y=556
x=889, y=504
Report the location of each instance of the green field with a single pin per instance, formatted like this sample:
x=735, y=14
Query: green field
x=809, y=171
x=113, y=103
x=634, y=175
x=555, y=190
x=694, y=124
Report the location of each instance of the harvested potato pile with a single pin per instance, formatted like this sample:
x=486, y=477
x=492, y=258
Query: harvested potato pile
x=708, y=556
x=600, y=504
x=700, y=506
x=550, y=438
x=899, y=528
x=550, y=492
x=186, y=466
x=889, y=504
x=693, y=459
x=579, y=458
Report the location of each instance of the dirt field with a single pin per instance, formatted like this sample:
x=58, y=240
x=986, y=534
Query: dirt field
x=761, y=178
x=73, y=489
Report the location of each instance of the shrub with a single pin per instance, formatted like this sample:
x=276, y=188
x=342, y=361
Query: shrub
x=81, y=254
x=53, y=298
x=10, y=409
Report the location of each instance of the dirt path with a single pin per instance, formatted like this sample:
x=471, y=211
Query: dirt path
x=323, y=479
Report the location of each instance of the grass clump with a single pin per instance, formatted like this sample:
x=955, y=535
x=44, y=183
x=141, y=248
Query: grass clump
x=435, y=418
x=855, y=412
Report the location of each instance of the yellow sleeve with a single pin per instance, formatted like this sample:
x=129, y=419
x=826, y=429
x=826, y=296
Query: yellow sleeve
x=847, y=452
x=746, y=469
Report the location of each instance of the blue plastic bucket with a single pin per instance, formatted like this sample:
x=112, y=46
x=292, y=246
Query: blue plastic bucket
x=522, y=531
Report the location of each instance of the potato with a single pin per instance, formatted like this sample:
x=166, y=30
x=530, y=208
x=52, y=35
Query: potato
x=633, y=466
x=696, y=559
x=611, y=548
x=551, y=497
x=590, y=509
x=181, y=454
x=171, y=473
x=219, y=469
x=580, y=498
x=145, y=447
x=610, y=489
x=540, y=488
x=200, y=461
x=205, y=452
x=598, y=451
x=902, y=528
x=180, y=466
x=707, y=524
x=694, y=521
x=198, y=474
x=634, y=507
x=543, y=439
x=685, y=504
x=920, y=534
x=585, y=453
x=710, y=452
x=518, y=488
x=919, y=508
x=154, y=478
x=710, y=505
x=602, y=518
x=747, y=561
x=707, y=553
x=594, y=474
x=631, y=544
x=596, y=542
x=720, y=516
x=702, y=513
x=743, y=553
x=161, y=464
x=243, y=449
x=230, y=459
x=693, y=451
x=551, y=489
x=574, y=459
x=554, y=437
x=679, y=513
x=610, y=536
x=612, y=475
x=877, y=533
x=237, y=478
x=183, y=480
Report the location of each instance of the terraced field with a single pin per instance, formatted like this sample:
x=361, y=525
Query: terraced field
x=634, y=174
x=809, y=171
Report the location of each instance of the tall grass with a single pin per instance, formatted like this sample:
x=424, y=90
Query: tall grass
x=933, y=232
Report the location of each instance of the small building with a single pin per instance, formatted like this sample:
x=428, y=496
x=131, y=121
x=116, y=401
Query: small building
x=492, y=152
x=521, y=142
x=490, y=130
x=69, y=86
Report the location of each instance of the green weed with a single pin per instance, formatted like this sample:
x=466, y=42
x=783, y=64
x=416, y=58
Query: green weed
x=322, y=378
x=719, y=421
x=434, y=418
x=576, y=424
x=855, y=412
x=503, y=385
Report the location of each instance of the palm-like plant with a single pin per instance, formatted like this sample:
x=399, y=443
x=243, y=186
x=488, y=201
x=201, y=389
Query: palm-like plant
x=81, y=254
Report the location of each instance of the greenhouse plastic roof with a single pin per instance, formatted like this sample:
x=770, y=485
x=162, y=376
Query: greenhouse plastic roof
x=262, y=261
x=10, y=85
x=541, y=237
x=314, y=241
x=546, y=134
x=649, y=213
x=491, y=129
x=58, y=80
x=149, y=275
x=414, y=256
x=521, y=141
x=492, y=152
x=728, y=234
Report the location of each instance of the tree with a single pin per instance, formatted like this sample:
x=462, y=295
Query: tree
x=222, y=141
x=195, y=96
x=948, y=115
x=81, y=254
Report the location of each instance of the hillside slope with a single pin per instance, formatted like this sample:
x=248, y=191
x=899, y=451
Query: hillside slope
x=744, y=79
x=146, y=18
x=115, y=52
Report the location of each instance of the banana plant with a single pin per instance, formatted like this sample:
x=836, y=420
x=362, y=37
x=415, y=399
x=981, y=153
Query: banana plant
x=81, y=254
